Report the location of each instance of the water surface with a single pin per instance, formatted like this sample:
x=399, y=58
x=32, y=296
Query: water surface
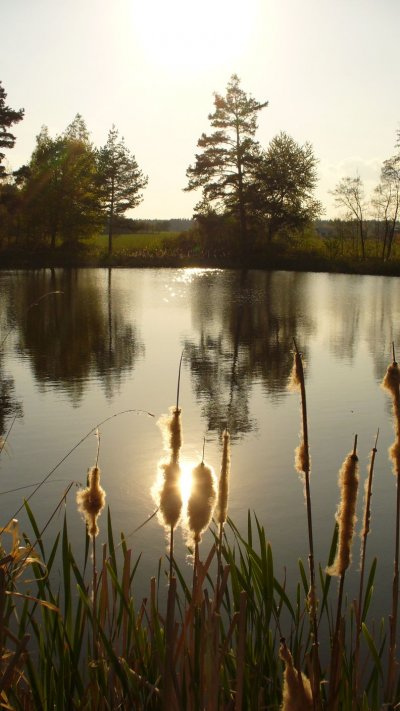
x=111, y=342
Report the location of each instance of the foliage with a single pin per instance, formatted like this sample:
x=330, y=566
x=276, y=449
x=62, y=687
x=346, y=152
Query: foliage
x=223, y=170
x=285, y=179
x=120, y=180
x=8, y=117
x=60, y=191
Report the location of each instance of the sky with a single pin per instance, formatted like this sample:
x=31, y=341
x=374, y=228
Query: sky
x=329, y=69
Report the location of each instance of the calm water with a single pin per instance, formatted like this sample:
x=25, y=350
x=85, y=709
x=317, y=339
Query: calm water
x=112, y=342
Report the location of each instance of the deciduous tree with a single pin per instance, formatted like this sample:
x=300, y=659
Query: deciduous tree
x=349, y=194
x=284, y=183
x=120, y=180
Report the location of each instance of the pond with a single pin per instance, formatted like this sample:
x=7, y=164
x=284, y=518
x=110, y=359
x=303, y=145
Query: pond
x=111, y=342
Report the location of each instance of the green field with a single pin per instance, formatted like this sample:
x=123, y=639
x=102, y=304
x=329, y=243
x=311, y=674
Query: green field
x=134, y=242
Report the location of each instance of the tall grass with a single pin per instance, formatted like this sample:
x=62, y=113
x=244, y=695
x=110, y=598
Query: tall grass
x=233, y=639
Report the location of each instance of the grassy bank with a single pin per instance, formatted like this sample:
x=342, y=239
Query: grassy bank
x=173, y=249
x=73, y=634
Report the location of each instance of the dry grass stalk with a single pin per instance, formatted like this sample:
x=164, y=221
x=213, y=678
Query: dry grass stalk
x=302, y=464
x=391, y=383
x=297, y=694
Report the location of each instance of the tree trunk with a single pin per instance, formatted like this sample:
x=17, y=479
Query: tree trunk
x=111, y=220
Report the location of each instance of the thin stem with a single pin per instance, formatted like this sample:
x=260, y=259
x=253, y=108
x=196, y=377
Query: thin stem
x=314, y=623
x=365, y=531
x=94, y=584
x=334, y=667
x=171, y=553
x=107, y=419
x=179, y=381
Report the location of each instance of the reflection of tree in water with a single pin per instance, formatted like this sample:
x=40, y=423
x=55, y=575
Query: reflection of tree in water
x=9, y=406
x=246, y=323
x=79, y=334
x=383, y=327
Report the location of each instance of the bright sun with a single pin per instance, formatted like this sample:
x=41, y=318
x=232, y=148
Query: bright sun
x=187, y=36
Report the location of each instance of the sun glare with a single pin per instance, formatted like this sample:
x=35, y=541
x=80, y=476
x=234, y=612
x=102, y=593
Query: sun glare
x=186, y=36
x=186, y=480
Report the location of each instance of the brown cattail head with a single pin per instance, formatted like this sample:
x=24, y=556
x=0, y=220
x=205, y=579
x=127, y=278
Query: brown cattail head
x=346, y=518
x=296, y=373
x=91, y=501
x=171, y=427
x=302, y=459
x=223, y=486
x=296, y=694
x=391, y=381
x=201, y=501
x=170, y=498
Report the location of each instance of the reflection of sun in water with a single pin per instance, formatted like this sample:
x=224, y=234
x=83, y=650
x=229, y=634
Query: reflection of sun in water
x=186, y=481
x=185, y=36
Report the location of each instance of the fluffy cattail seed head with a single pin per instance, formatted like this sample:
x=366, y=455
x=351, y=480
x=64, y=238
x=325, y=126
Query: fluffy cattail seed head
x=91, y=501
x=171, y=427
x=391, y=381
x=297, y=693
x=346, y=518
x=296, y=373
x=302, y=459
x=201, y=501
x=170, y=497
x=223, y=485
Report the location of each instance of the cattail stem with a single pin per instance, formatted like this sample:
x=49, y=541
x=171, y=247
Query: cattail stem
x=365, y=531
x=334, y=666
x=392, y=384
x=313, y=612
x=94, y=585
x=171, y=553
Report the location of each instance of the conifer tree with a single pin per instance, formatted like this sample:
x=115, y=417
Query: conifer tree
x=120, y=180
x=8, y=117
x=228, y=156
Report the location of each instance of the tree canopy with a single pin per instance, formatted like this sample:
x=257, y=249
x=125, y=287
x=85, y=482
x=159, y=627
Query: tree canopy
x=120, y=180
x=284, y=183
x=8, y=117
x=224, y=168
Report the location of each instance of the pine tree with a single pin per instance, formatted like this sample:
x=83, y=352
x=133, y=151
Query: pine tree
x=8, y=117
x=224, y=168
x=120, y=180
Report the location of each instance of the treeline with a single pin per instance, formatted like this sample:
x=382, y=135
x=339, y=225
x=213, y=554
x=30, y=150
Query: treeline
x=69, y=188
x=251, y=196
x=126, y=225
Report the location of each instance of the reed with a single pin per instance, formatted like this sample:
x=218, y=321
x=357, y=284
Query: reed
x=346, y=519
x=222, y=504
x=302, y=464
x=391, y=383
x=214, y=645
x=364, y=535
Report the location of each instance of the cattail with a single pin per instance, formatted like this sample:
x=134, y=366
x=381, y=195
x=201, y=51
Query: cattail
x=171, y=427
x=294, y=382
x=391, y=381
x=296, y=694
x=223, y=486
x=170, y=494
x=346, y=518
x=301, y=459
x=91, y=501
x=201, y=501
